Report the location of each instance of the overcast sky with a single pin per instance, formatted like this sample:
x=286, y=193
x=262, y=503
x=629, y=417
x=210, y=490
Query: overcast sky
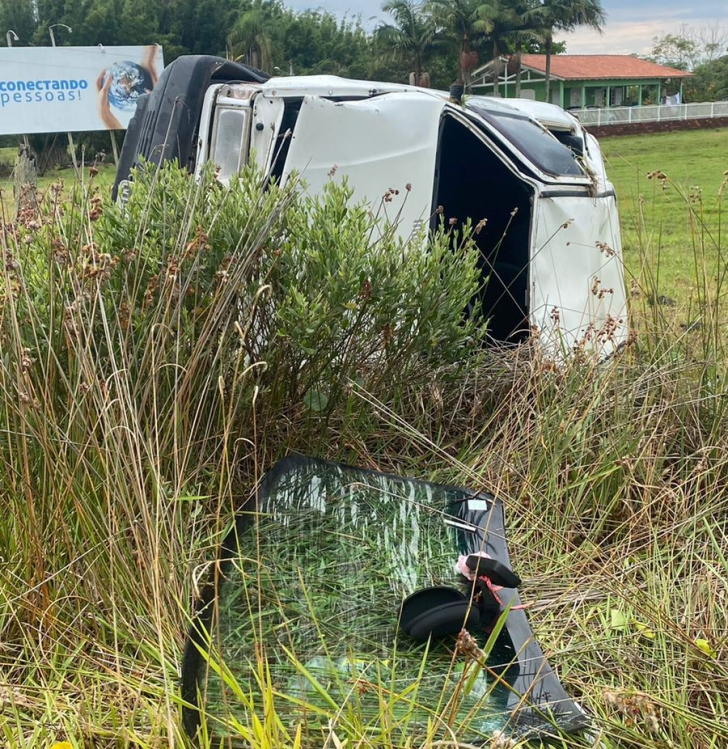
x=630, y=25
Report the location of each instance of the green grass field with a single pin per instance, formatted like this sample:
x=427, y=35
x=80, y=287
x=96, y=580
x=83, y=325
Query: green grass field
x=672, y=229
x=7, y=155
x=103, y=180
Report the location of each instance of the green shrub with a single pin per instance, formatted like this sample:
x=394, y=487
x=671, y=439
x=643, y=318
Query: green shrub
x=241, y=289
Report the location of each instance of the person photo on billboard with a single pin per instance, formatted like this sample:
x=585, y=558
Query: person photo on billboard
x=121, y=84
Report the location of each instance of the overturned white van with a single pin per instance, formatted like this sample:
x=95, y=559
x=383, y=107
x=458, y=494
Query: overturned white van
x=527, y=172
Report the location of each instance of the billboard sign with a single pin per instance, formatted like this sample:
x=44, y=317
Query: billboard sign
x=73, y=89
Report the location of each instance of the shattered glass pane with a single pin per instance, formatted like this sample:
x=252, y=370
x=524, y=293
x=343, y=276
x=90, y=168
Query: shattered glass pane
x=308, y=609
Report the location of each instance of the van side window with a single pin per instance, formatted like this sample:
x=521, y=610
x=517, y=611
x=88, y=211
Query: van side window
x=535, y=143
x=229, y=141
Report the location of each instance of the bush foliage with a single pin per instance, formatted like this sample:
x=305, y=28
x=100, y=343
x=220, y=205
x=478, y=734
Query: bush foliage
x=196, y=294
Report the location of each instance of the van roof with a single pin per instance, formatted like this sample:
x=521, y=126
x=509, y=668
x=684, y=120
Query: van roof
x=549, y=115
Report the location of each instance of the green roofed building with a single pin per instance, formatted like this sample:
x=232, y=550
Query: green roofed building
x=580, y=81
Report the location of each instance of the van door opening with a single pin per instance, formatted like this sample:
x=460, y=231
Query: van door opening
x=474, y=183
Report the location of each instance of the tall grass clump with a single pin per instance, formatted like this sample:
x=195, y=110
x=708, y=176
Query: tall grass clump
x=153, y=355
x=156, y=358
x=614, y=477
x=614, y=481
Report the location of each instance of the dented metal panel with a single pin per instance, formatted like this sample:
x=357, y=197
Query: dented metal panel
x=333, y=85
x=384, y=139
x=385, y=148
x=595, y=164
x=577, y=277
x=549, y=115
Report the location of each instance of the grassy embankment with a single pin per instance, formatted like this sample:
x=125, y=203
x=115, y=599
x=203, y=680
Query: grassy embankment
x=128, y=435
x=666, y=246
x=67, y=176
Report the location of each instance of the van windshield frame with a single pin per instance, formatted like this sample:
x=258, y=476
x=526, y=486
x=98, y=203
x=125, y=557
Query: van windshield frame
x=533, y=144
x=419, y=526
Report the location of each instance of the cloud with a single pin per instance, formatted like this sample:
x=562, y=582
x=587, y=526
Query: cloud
x=631, y=24
x=631, y=37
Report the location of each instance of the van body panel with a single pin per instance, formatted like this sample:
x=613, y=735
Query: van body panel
x=526, y=172
x=266, y=136
x=166, y=121
x=577, y=278
x=385, y=148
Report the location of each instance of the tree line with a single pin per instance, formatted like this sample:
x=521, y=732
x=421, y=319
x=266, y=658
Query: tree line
x=436, y=42
x=476, y=32
x=703, y=50
x=440, y=41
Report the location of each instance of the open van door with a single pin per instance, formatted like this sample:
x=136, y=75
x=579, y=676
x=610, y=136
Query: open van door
x=386, y=146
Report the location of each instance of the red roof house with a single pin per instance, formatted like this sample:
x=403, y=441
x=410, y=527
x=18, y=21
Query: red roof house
x=579, y=81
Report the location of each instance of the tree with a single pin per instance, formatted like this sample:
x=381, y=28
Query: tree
x=511, y=29
x=690, y=46
x=315, y=41
x=528, y=39
x=710, y=82
x=526, y=34
x=675, y=51
x=21, y=17
x=250, y=37
x=564, y=15
x=412, y=35
x=714, y=41
x=465, y=21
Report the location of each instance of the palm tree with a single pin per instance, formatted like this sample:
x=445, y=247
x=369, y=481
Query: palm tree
x=411, y=36
x=521, y=38
x=524, y=33
x=464, y=21
x=250, y=39
x=565, y=15
x=507, y=23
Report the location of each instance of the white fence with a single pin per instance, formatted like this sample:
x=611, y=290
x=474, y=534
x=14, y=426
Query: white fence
x=664, y=112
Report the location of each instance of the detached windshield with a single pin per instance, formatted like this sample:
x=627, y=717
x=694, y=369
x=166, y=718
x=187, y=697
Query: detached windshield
x=308, y=605
x=535, y=143
x=317, y=589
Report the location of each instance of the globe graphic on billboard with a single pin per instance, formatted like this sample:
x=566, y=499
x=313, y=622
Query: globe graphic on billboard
x=128, y=82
